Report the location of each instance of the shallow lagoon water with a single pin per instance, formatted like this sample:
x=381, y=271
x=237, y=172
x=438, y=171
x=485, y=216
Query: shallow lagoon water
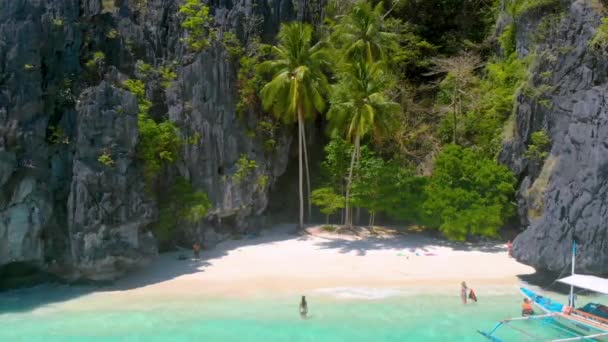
x=337, y=314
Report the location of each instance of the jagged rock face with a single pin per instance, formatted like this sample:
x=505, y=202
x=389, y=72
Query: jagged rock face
x=37, y=52
x=63, y=210
x=563, y=197
x=200, y=101
x=108, y=207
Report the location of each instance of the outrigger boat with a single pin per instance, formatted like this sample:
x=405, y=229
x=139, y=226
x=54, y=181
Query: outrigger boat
x=587, y=323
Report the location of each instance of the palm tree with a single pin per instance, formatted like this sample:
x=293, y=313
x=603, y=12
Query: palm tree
x=362, y=33
x=360, y=106
x=298, y=87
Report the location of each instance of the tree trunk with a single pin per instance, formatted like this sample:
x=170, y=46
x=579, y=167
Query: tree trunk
x=308, y=196
x=300, y=180
x=348, y=215
x=342, y=213
x=454, y=119
x=357, y=161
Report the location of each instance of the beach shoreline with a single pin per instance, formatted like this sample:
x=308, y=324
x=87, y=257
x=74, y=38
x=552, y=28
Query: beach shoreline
x=280, y=262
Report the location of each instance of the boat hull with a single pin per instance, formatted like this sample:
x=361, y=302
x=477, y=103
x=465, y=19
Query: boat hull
x=570, y=323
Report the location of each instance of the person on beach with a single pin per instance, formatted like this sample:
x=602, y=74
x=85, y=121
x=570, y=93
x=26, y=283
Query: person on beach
x=303, y=307
x=509, y=247
x=463, y=292
x=526, y=308
x=196, y=249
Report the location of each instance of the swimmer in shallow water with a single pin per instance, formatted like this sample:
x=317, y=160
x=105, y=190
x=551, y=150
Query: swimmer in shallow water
x=463, y=292
x=526, y=308
x=303, y=307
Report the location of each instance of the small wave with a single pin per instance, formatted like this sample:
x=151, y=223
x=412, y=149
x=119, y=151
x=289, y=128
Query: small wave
x=360, y=292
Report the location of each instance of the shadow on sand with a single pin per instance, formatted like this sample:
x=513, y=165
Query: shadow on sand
x=419, y=242
x=167, y=266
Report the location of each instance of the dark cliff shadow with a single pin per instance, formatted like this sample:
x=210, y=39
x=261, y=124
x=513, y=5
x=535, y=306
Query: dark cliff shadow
x=165, y=267
x=168, y=266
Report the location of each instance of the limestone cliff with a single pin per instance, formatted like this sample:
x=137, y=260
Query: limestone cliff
x=60, y=208
x=562, y=197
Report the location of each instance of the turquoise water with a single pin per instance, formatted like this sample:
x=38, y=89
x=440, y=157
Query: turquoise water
x=73, y=315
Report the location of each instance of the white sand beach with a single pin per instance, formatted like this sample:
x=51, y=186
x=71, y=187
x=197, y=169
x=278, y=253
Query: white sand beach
x=280, y=261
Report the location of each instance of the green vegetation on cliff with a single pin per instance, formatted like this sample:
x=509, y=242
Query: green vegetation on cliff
x=181, y=204
x=159, y=145
x=197, y=23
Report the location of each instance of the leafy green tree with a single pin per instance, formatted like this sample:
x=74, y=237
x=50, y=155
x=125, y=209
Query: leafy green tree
x=298, y=87
x=334, y=167
x=360, y=106
x=244, y=168
x=537, y=149
x=411, y=54
x=495, y=102
x=469, y=194
x=386, y=186
x=327, y=200
x=362, y=33
x=159, y=142
x=600, y=38
x=181, y=204
x=366, y=189
x=197, y=21
x=449, y=24
x=402, y=194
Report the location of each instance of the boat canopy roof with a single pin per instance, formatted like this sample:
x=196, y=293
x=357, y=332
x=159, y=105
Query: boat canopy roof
x=593, y=283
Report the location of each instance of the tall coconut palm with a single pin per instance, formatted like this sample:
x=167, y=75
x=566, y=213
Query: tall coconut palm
x=360, y=106
x=362, y=33
x=298, y=87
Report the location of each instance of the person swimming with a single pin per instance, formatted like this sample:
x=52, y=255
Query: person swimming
x=526, y=308
x=463, y=292
x=303, y=307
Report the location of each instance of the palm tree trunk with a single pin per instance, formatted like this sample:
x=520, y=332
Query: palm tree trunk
x=347, y=215
x=342, y=211
x=357, y=161
x=300, y=180
x=307, y=173
x=454, y=118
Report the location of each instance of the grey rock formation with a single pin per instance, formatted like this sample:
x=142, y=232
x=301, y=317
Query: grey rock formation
x=563, y=197
x=108, y=207
x=39, y=51
x=64, y=211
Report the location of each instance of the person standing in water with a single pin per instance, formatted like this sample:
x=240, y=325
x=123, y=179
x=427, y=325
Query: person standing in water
x=303, y=307
x=463, y=292
x=196, y=248
x=526, y=308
